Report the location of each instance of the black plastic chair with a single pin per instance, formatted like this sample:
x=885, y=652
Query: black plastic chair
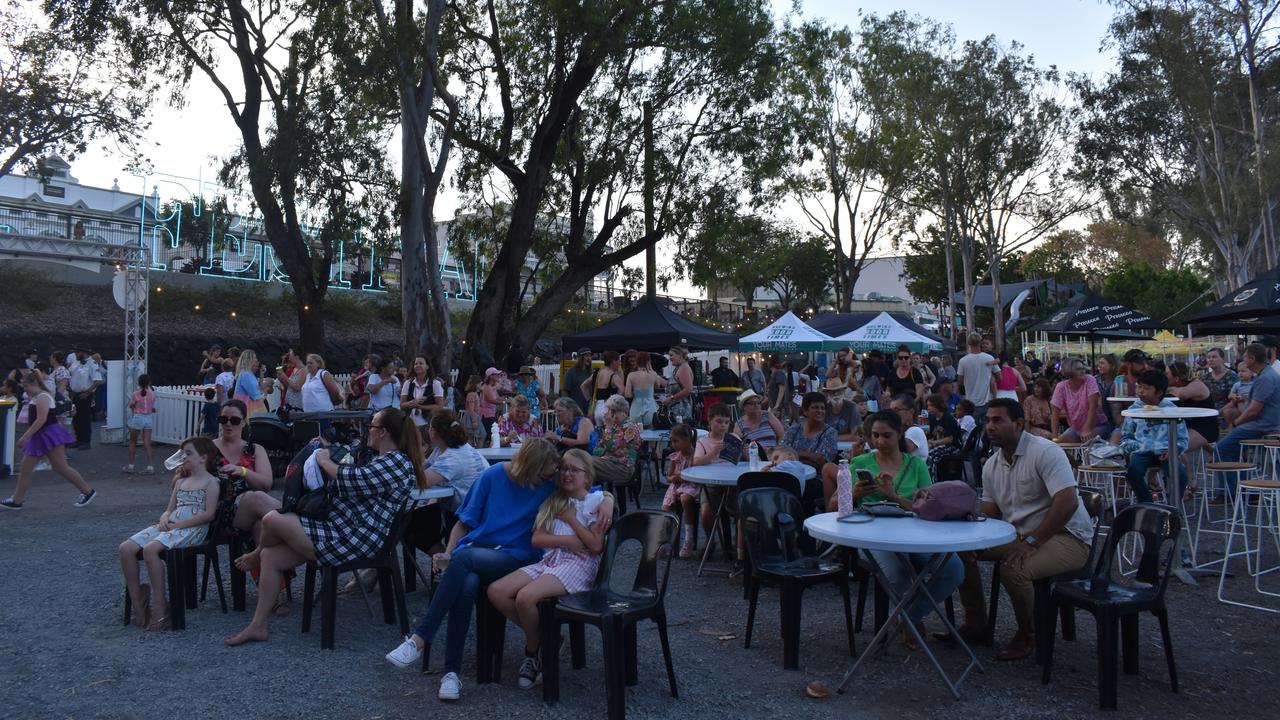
x=389, y=582
x=617, y=612
x=180, y=577
x=1117, y=607
x=302, y=432
x=1094, y=504
x=771, y=518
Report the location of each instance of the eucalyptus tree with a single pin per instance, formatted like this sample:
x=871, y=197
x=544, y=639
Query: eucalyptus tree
x=311, y=146
x=553, y=98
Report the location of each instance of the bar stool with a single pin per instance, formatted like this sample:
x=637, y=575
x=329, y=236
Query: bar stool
x=1104, y=479
x=1218, y=470
x=1257, y=451
x=1266, y=493
x=1077, y=452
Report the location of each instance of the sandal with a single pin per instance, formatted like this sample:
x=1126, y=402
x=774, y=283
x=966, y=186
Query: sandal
x=163, y=623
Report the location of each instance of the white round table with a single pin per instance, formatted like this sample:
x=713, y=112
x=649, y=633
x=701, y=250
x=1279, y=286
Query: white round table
x=726, y=474
x=723, y=475
x=420, y=497
x=498, y=454
x=904, y=536
x=655, y=436
x=1172, y=416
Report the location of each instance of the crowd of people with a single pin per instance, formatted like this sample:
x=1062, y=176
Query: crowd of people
x=533, y=527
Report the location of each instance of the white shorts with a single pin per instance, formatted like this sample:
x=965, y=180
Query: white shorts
x=141, y=421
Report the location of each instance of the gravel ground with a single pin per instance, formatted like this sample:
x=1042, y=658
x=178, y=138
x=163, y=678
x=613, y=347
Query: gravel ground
x=60, y=565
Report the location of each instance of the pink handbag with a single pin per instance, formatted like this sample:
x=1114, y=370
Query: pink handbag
x=950, y=500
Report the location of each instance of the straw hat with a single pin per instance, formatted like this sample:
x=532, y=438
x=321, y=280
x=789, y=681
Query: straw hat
x=747, y=395
x=834, y=384
x=526, y=370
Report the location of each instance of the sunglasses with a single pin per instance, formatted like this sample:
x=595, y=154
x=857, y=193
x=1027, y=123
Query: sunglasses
x=904, y=357
x=225, y=419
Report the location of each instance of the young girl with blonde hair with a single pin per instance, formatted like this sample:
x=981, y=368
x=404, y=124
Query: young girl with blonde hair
x=570, y=526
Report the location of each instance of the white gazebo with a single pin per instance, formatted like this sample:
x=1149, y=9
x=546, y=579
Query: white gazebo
x=787, y=334
x=882, y=333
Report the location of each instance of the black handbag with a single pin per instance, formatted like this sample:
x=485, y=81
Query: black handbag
x=662, y=418
x=297, y=498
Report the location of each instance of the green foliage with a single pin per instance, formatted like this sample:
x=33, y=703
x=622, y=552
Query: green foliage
x=57, y=94
x=1057, y=258
x=1159, y=293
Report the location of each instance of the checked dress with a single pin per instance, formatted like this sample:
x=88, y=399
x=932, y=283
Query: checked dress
x=363, y=505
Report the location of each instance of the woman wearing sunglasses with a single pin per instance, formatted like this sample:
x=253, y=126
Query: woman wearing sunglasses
x=246, y=469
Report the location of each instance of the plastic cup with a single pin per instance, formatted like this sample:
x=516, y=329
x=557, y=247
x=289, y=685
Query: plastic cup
x=174, y=461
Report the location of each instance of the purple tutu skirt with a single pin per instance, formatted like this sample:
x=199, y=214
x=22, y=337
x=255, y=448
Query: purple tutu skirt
x=49, y=437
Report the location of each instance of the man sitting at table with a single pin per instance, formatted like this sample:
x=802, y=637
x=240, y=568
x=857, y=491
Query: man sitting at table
x=1147, y=441
x=1029, y=483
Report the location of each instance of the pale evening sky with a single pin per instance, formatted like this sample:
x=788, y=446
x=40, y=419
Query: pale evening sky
x=1065, y=33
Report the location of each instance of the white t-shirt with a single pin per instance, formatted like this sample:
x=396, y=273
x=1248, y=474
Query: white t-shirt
x=967, y=424
x=588, y=512
x=976, y=371
x=915, y=434
x=385, y=396
x=227, y=381
x=460, y=467
x=413, y=391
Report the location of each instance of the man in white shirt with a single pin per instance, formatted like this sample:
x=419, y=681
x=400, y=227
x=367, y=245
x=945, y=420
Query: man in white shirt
x=82, y=384
x=1029, y=483
x=976, y=373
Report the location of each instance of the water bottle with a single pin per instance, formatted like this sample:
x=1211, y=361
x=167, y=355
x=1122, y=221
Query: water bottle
x=495, y=437
x=1120, y=386
x=753, y=455
x=844, y=491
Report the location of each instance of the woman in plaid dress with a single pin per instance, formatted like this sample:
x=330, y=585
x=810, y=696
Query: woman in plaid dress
x=364, y=502
x=570, y=526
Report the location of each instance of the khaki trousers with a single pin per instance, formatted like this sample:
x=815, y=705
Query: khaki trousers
x=1059, y=554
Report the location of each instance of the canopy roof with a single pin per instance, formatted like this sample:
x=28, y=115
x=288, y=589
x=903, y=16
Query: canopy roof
x=841, y=323
x=787, y=334
x=984, y=295
x=1253, y=302
x=651, y=328
x=883, y=333
x=1089, y=314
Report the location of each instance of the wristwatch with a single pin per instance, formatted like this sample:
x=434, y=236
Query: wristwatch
x=1031, y=540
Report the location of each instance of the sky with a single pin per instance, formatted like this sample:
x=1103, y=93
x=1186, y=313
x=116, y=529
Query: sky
x=1066, y=33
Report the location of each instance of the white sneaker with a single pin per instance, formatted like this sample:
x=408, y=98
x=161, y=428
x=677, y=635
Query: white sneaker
x=42, y=466
x=406, y=655
x=450, y=687
x=148, y=470
x=127, y=469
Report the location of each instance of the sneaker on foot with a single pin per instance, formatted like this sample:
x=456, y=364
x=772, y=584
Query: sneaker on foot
x=86, y=498
x=148, y=470
x=127, y=469
x=42, y=466
x=530, y=672
x=450, y=687
x=406, y=655
x=686, y=547
x=9, y=504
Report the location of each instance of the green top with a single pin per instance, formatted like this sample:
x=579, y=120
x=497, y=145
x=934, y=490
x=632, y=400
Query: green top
x=913, y=475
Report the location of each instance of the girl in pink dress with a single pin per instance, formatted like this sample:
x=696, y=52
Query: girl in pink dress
x=571, y=527
x=680, y=492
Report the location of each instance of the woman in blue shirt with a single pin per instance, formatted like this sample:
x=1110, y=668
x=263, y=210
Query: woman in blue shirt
x=492, y=537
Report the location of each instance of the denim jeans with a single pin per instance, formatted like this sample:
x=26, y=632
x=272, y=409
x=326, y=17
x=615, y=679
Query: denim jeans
x=456, y=597
x=1136, y=474
x=940, y=585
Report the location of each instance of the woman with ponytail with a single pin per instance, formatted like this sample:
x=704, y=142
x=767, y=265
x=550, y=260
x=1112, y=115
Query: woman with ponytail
x=363, y=501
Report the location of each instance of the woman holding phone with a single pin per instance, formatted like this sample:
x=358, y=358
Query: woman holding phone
x=889, y=473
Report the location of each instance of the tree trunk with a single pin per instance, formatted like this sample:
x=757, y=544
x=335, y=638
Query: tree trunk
x=948, y=237
x=997, y=326
x=310, y=325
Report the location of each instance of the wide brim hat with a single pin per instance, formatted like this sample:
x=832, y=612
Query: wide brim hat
x=834, y=384
x=526, y=370
x=747, y=395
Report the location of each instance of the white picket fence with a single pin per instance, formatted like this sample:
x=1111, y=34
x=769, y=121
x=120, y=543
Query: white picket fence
x=178, y=409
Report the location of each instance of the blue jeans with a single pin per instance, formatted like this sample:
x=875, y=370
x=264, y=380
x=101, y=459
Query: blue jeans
x=1136, y=474
x=940, y=585
x=456, y=597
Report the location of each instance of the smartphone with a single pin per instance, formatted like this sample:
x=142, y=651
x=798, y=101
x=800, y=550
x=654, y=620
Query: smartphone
x=865, y=477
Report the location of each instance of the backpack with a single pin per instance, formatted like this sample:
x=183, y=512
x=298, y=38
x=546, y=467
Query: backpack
x=297, y=498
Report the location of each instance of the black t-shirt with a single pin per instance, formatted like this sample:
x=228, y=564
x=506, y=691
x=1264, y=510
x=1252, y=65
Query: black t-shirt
x=945, y=426
x=903, y=385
